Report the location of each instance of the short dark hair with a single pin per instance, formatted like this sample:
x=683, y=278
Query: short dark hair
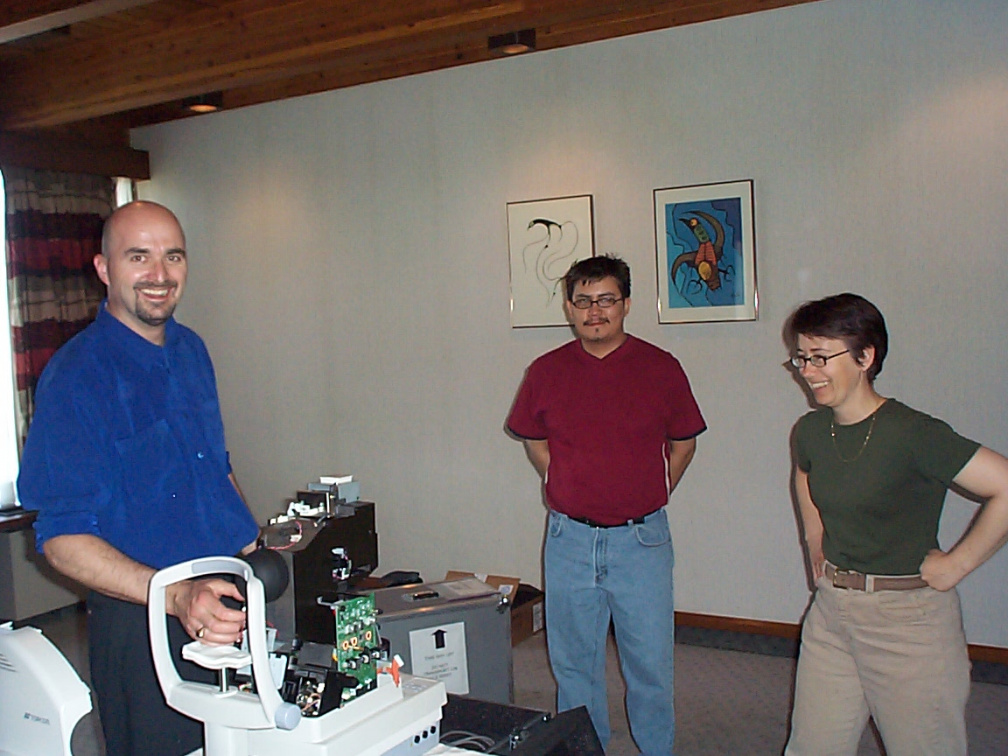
x=593, y=269
x=849, y=317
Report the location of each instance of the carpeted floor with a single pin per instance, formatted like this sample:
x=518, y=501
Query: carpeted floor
x=736, y=703
x=728, y=702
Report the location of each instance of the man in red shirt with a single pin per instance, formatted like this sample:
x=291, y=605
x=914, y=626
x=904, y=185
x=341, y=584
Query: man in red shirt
x=610, y=423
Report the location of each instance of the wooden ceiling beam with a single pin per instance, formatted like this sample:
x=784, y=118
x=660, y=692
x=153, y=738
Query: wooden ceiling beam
x=260, y=50
x=630, y=18
x=652, y=16
x=255, y=41
x=25, y=19
x=19, y=11
x=56, y=151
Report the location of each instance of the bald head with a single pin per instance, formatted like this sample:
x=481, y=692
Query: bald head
x=138, y=209
x=143, y=264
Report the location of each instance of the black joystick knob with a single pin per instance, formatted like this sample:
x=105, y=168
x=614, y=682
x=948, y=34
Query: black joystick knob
x=271, y=569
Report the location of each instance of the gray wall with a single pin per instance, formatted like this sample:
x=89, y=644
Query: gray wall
x=349, y=268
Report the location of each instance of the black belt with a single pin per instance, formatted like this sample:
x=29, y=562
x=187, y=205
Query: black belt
x=595, y=524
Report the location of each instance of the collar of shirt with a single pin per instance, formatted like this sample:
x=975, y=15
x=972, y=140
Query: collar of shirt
x=144, y=352
x=616, y=355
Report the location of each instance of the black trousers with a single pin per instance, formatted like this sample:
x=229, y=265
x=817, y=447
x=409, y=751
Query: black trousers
x=135, y=719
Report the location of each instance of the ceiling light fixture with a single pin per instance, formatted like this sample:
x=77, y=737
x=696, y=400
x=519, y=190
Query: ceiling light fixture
x=204, y=103
x=513, y=43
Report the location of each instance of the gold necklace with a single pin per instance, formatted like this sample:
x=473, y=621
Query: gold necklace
x=832, y=432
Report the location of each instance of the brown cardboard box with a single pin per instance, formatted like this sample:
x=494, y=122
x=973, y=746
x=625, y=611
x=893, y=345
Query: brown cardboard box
x=527, y=616
x=526, y=602
x=507, y=586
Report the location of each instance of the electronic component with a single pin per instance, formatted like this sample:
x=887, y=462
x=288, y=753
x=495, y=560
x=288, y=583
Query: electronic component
x=320, y=707
x=357, y=644
x=316, y=569
x=321, y=677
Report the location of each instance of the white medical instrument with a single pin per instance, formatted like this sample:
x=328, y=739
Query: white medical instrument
x=399, y=717
x=41, y=695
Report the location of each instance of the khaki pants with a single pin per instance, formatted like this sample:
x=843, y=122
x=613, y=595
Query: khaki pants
x=899, y=656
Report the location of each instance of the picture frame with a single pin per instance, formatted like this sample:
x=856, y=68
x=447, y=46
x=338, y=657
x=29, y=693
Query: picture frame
x=546, y=237
x=705, y=246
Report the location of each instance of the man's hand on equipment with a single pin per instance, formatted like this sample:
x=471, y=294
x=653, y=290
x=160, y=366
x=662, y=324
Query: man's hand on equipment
x=198, y=605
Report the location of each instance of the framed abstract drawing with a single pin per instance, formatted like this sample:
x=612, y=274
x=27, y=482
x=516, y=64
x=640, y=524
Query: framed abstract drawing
x=546, y=237
x=706, y=253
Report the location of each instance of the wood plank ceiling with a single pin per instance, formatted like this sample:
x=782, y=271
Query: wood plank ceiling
x=90, y=70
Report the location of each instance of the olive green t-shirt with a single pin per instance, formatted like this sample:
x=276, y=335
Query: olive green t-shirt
x=880, y=501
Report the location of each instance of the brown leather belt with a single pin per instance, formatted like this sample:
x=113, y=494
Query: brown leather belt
x=858, y=581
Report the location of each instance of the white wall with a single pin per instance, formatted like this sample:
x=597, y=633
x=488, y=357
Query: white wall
x=349, y=268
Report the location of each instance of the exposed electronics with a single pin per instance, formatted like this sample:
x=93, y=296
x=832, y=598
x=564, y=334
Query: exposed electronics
x=323, y=699
x=316, y=550
x=321, y=677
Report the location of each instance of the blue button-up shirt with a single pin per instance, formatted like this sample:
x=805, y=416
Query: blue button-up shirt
x=127, y=443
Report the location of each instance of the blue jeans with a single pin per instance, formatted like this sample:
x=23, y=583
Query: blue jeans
x=624, y=573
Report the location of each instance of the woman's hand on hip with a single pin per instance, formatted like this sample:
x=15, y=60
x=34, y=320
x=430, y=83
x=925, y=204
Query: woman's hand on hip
x=940, y=570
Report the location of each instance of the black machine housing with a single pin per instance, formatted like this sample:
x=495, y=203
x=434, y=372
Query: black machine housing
x=316, y=551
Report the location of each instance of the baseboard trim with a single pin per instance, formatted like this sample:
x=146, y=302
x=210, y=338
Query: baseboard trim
x=991, y=654
x=792, y=632
x=738, y=625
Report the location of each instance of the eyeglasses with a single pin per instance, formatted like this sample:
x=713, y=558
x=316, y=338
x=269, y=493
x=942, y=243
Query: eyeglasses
x=605, y=302
x=816, y=360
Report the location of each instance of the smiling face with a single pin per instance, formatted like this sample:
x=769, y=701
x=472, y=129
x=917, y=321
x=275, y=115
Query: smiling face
x=842, y=383
x=143, y=264
x=599, y=329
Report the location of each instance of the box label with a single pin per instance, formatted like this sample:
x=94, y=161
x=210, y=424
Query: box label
x=439, y=653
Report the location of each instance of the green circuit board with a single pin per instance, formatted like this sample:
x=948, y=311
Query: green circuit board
x=357, y=644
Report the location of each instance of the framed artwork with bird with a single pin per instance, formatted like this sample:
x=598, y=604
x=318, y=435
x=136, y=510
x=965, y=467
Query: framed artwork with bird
x=705, y=244
x=546, y=237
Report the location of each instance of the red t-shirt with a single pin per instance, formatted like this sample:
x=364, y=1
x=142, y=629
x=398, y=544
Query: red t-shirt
x=608, y=423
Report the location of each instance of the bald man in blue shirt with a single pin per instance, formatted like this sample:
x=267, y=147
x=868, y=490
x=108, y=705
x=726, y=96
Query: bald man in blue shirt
x=126, y=465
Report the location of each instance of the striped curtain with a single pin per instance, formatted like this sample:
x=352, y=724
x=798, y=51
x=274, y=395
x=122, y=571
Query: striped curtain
x=54, y=226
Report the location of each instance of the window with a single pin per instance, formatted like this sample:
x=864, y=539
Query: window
x=8, y=435
x=8, y=431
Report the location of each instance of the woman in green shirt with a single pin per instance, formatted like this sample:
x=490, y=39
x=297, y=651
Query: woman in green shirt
x=884, y=634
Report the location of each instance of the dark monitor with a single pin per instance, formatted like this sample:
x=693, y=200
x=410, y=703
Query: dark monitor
x=569, y=733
